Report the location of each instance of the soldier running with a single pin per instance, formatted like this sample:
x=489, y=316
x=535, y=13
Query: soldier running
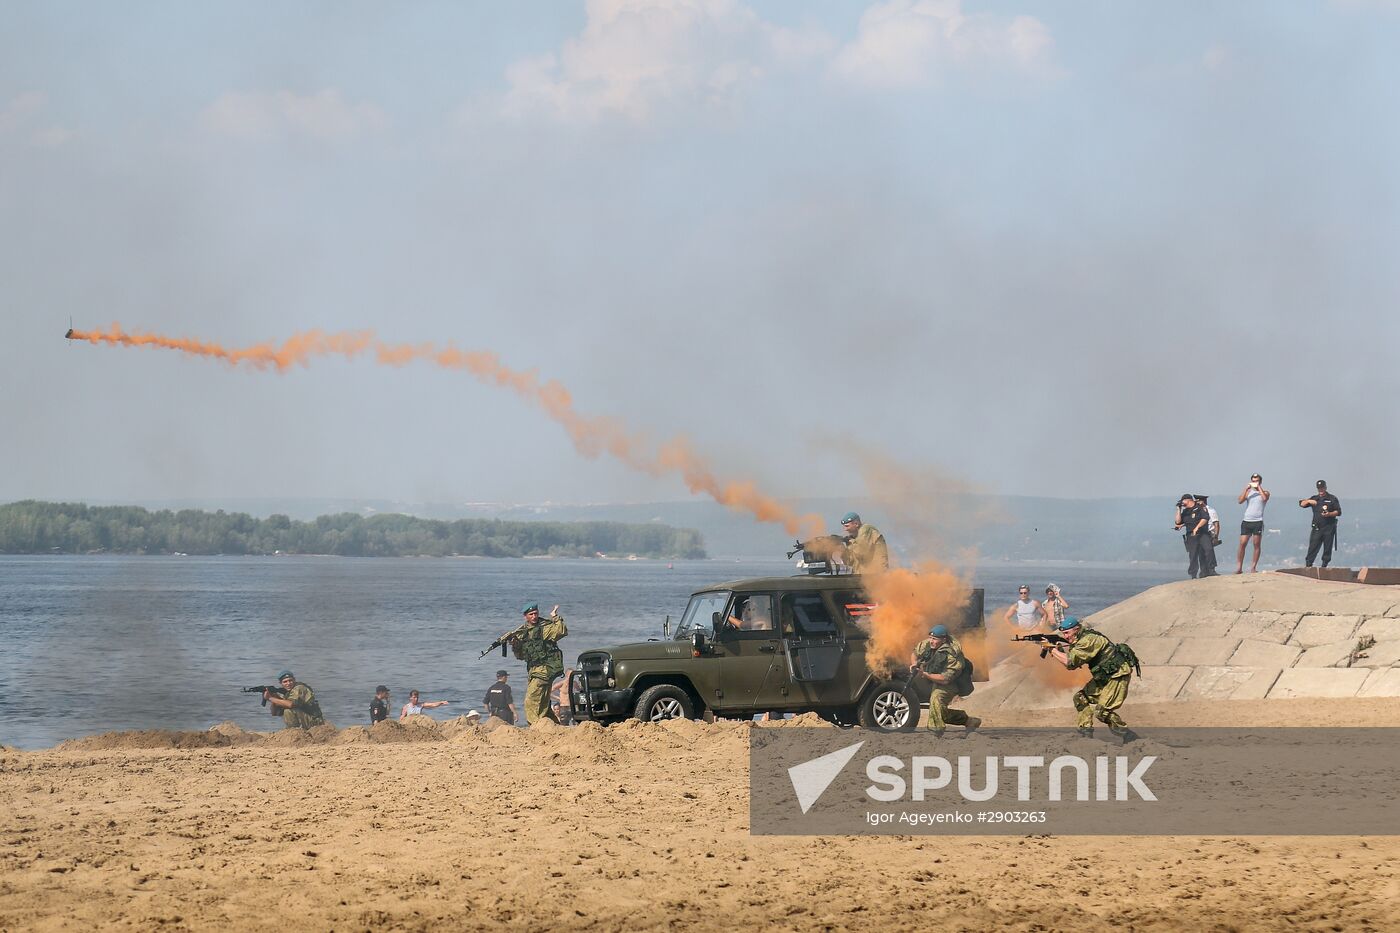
x=538, y=647
x=939, y=659
x=1110, y=669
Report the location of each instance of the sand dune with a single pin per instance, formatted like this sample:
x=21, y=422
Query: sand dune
x=452, y=826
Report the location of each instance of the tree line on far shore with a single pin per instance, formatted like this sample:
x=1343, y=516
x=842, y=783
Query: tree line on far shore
x=33, y=527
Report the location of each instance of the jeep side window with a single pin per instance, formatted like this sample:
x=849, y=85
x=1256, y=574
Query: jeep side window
x=855, y=608
x=751, y=616
x=699, y=615
x=810, y=617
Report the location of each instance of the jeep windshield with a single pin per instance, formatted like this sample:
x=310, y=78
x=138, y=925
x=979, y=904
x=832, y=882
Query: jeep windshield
x=699, y=615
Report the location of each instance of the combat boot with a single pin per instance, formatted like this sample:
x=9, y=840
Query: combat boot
x=1086, y=731
x=1126, y=735
x=972, y=725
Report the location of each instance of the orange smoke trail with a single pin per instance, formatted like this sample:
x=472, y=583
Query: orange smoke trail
x=907, y=604
x=591, y=435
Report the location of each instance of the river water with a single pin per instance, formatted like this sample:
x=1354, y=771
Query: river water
x=100, y=643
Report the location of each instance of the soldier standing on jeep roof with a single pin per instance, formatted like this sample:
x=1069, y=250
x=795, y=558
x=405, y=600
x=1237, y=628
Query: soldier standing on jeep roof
x=538, y=647
x=1110, y=670
x=865, y=546
x=939, y=659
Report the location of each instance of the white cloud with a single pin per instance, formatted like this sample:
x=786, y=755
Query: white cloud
x=325, y=115
x=906, y=43
x=635, y=54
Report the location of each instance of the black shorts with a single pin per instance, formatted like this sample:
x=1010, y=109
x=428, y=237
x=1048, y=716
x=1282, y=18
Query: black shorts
x=1249, y=529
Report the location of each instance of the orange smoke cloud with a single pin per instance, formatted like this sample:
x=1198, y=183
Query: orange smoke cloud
x=591, y=436
x=907, y=604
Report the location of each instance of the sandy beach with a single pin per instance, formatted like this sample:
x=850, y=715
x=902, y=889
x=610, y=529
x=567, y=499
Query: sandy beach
x=450, y=826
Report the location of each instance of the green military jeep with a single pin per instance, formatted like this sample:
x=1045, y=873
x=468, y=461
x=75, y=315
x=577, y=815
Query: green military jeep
x=767, y=645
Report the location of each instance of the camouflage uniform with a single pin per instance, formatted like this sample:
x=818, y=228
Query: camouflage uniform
x=949, y=661
x=538, y=647
x=1108, y=687
x=866, y=552
x=305, y=712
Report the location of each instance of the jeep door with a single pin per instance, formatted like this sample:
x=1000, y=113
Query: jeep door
x=747, y=647
x=815, y=650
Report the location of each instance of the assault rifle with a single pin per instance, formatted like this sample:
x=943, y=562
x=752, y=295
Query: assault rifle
x=503, y=641
x=819, y=553
x=274, y=690
x=1046, y=640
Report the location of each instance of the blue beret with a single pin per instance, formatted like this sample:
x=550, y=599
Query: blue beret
x=1068, y=622
x=850, y=517
x=529, y=607
x=286, y=674
x=939, y=631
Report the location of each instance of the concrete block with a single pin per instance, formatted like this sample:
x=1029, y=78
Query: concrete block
x=1379, y=576
x=1316, y=630
x=1005, y=677
x=1194, y=651
x=1380, y=628
x=1228, y=683
x=1332, y=655
x=1382, y=683
x=1031, y=693
x=1265, y=626
x=1319, y=682
x=1154, y=650
x=1206, y=624
x=1330, y=574
x=1381, y=654
x=1264, y=654
x=1158, y=684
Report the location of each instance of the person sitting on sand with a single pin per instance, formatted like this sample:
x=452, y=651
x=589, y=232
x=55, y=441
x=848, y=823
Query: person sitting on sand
x=299, y=708
x=413, y=707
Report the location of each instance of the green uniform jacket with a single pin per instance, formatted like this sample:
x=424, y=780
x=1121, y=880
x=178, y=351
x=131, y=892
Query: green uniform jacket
x=305, y=711
x=1086, y=650
x=539, y=648
x=866, y=552
x=948, y=660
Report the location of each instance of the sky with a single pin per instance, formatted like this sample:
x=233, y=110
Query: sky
x=1074, y=249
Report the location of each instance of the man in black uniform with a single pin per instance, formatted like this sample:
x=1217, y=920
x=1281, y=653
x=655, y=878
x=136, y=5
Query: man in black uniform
x=498, y=700
x=1194, y=523
x=379, y=706
x=1326, y=507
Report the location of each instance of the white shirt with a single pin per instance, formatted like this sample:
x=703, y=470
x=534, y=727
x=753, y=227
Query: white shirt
x=1027, y=613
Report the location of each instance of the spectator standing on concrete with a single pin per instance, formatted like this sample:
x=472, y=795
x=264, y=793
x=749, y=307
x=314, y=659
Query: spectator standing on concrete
x=1055, y=607
x=1191, y=521
x=1254, y=498
x=1326, y=509
x=1025, y=614
x=1213, y=541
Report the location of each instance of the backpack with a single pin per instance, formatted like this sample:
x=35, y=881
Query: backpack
x=963, y=686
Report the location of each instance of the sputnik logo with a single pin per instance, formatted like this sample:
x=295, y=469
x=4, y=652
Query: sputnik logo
x=811, y=778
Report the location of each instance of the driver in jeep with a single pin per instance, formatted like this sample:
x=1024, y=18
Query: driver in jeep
x=939, y=659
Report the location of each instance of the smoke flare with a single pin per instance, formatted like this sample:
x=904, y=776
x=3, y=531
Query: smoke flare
x=907, y=604
x=591, y=435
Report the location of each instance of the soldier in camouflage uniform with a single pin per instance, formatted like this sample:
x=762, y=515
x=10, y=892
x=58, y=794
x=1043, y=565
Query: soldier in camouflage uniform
x=866, y=551
x=1109, y=671
x=939, y=659
x=537, y=644
x=299, y=709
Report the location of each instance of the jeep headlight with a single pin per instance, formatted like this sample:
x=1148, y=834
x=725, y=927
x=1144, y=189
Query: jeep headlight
x=607, y=668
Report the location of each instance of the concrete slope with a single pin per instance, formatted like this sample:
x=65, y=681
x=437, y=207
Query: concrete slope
x=1240, y=637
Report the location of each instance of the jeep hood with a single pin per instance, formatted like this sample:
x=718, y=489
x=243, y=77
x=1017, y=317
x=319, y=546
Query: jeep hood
x=648, y=650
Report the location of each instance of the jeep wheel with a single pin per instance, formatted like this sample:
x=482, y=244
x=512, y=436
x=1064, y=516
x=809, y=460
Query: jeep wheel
x=890, y=708
x=663, y=702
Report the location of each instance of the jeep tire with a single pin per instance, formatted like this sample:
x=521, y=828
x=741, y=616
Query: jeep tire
x=662, y=702
x=890, y=707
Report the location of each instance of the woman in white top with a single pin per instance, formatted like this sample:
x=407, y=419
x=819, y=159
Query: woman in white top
x=1025, y=613
x=413, y=707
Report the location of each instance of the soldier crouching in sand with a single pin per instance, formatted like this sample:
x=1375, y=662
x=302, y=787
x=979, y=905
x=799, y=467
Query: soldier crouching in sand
x=1111, y=667
x=299, y=708
x=939, y=659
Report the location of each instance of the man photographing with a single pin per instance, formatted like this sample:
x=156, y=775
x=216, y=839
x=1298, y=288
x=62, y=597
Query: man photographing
x=1326, y=509
x=1194, y=523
